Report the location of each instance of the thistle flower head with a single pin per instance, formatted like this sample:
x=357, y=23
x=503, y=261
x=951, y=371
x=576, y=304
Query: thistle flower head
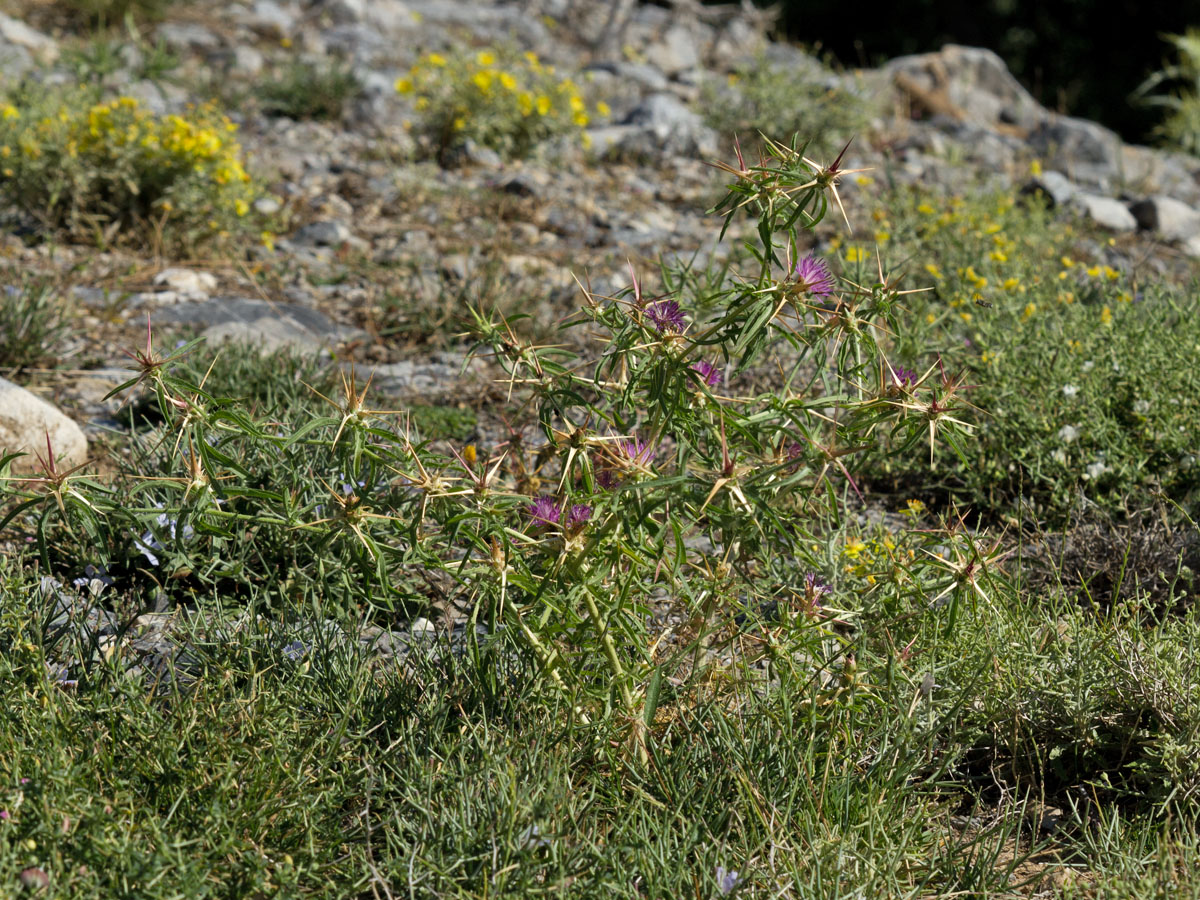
x=812, y=276
x=709, y=374
x=666, y=316
x=544, y=511
x=578, y=516
x=636, y=452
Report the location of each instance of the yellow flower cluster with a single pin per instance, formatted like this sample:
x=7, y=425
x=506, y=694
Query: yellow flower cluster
x=119, y=161
x=506, y=104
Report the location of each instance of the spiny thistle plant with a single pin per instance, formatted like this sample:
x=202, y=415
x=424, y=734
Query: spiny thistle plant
x=116, y=171
x=661, y=481
x=499, y=100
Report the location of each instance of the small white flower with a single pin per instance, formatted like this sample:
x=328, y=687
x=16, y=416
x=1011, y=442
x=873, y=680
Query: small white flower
x=1087, y=365
x=1095, y=470
x=1141, y=407
x=1068, y=433
x=1070, y=390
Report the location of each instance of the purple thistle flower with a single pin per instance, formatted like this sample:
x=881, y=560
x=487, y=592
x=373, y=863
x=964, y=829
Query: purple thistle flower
x=814, y=587
x=812, y=276
x=637, y=452
x=709, y=374
x=578, y=516
x=666, y=316
x=904, y=377
x=544, y=511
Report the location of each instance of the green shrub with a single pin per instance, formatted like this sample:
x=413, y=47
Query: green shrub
x=115, y=171
x=310, y=91
x=1084, y=386
x=33, y=319
x=761, y=97
x=1181, y=127
x=113, y=12
x=506, y=103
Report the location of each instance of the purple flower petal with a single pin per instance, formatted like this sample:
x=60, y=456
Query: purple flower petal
x=812, y=276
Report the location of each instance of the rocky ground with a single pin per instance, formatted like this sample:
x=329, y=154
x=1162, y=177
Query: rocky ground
x=379, y=252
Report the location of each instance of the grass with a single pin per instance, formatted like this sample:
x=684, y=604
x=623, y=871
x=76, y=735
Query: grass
x=830, y=698
x=309, y=91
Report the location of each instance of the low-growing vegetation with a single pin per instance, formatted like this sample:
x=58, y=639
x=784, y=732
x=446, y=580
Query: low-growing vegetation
x=501, y=100
x=114, y=171
x=774, y=584
x=309, y=91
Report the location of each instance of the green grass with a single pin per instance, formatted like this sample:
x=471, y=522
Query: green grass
x=309, y=91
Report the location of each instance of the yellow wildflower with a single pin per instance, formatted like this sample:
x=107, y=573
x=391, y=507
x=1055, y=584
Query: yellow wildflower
x=1106, y=316
x=485, y=58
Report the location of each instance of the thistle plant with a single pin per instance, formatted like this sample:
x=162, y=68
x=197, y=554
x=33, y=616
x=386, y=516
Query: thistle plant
x=690, y=462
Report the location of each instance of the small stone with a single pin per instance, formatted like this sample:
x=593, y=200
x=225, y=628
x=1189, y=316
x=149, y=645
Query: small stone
x=422, y=627
x=187, y=281
x=1105, y=211
x=183, y=37
x=1054, y=186
x=267, y=206
x=326, y=233
x=15, y=32
x=1172, y=219
x=247, y=61
x=27, y=422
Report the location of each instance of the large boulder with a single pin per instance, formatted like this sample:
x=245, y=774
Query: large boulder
x=26, y=421
x=968, y=83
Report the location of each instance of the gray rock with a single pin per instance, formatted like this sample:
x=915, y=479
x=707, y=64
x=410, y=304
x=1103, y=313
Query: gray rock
x=1105, y=211
x=976, y=81
x=1171, y=219
x=441, y=372
x=325, y=233
x=641, y=74
x=15, y=33
x=182, y=37
x=678, y=50
x=187, y=281
x=1149, y=171
x=269, y=325
x=386, y=16
x=1087, y=152
x=270, y=19
x=664, y=126
x=1054, y=186
x=246, y=61
x=27, y=422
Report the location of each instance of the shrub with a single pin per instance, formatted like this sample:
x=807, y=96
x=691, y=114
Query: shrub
x=116, y=170
x=114, y=12
x=505, y=103
x=1182, y=125
x=1084, y=384
x=33, y=319
x=310, y=91
x=771, y=99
